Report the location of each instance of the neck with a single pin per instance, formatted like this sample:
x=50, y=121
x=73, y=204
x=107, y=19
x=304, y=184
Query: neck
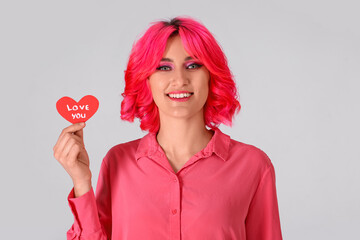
x=183, y=136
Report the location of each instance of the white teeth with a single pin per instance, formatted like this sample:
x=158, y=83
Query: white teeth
x=181, y=95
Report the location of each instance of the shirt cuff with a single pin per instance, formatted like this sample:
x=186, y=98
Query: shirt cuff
x=85, y=212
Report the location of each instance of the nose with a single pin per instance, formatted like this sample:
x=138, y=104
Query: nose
x=180, y=78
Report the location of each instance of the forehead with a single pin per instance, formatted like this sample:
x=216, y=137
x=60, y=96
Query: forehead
x=175, y=48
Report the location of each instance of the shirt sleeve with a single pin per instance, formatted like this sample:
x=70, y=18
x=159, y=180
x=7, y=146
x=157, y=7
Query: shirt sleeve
x=92, y=215
x=263, y=221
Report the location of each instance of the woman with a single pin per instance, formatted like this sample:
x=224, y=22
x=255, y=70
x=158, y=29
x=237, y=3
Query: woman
x=185, y=179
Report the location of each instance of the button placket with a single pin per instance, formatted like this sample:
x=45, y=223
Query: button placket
x=174, y=210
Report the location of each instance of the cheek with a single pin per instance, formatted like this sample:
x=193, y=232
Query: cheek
x=155, y=90
x=152, y=86
x=206, y=87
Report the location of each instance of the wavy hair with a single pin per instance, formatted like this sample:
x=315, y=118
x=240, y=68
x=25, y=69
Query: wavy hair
x=146, y=53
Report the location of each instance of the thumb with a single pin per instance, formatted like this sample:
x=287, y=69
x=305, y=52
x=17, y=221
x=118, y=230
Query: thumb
x=80, y=132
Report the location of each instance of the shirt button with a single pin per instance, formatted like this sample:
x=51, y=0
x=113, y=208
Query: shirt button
x=174, y=211
x=175, y=179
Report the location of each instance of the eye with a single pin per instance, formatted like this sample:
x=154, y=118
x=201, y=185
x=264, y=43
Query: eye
x=194, y=66
x=164, y=68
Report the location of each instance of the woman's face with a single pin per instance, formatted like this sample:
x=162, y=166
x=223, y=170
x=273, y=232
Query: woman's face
x=180, y=84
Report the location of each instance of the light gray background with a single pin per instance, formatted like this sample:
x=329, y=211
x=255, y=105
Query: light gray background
x=296, y=65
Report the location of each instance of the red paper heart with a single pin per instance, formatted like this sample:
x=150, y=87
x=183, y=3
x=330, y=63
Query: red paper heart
x=76, y=112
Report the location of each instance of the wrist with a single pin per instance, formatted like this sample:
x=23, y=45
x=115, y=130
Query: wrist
x=80, y=188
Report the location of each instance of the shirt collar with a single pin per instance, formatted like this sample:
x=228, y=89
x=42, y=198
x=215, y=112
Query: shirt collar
x=219, y=144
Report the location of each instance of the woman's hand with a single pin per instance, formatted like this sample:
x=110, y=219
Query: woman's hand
x=70, y=152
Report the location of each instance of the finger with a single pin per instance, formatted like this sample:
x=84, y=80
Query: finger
x=60, y=144
x=63, y=140
x=70, y=129
x=74, y=152
x=80, y=133
x=73, y=128
x=74, y=140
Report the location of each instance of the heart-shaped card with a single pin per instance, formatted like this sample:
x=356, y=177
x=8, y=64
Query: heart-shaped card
x=76, y=112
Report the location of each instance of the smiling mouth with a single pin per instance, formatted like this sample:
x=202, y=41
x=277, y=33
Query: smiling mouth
x=180, y=95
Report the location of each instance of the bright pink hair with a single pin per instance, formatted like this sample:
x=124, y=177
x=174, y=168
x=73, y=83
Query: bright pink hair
x=145, y=56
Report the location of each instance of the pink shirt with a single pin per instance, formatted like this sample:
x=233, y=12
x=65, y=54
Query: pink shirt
x=225, y=191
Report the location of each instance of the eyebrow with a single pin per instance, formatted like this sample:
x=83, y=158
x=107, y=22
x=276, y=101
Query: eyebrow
x=170, y=60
